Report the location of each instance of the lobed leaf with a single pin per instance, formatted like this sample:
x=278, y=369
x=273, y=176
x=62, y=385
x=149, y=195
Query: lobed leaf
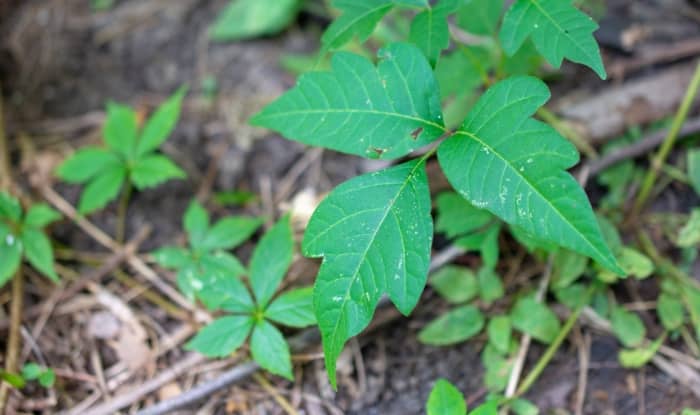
x=270, y=261
x=374, y=233
x=161, y=124
x=429, y=29
x=514, y=166
x=557, y=29
x=445, y=399
x=270, y=350
x=383, y=112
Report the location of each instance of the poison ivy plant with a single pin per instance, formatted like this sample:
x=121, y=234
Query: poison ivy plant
x=22, y=235
x=202, y=263
x=244, y=19
x=253, y=316
x=130, y=157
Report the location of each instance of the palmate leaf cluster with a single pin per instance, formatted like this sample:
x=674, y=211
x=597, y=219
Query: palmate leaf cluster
x=131, y=155
x=22, y=236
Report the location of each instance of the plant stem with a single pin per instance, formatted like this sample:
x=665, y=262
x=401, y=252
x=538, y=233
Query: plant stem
x=667, y=145
x=13, y=340
x=120, y=231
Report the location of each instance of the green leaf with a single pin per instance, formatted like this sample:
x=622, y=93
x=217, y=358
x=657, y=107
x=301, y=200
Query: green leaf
x=484, y=241
x=10, y=208
x=573, y=296
x=121, y=129
x=636, y=358
x=172, y=257
x=536, y=319
x=41, y=215
x=245, y=19
x=10, y=254
x=480, y=17
x=31, y=371
x=222, y=336
x=196, y=223
x=86, y=163
x=514, y=166
x=374, y=233
x=557, y=29
x=455, y=284
x=430, y=31
x=453, y=327
x=488, y=408
x=228, y=293
x=359, y=18
x=627, y=326
x=47, y=378
x=161, y=124
x=152, y=170
x=383, y=112
x=102, y=189
x=222, y=263
x=490, y=285
x=567, y=267
x=38, y=251
x=293, y=308
x=498, y=368
x=456, y=216
x=270, y=350
x=499, y=331
x=445, y=399
x=634, y=262
x=16, y=381
x=524, y=407
x=230, y=232
x=270, y=261
x=694, y=169
x=689, y=235
x=670, y=311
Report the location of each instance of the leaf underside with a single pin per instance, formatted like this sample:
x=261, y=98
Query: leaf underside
x=506, y=162
x=375, y=234
x=557, y=29
x=375, y=112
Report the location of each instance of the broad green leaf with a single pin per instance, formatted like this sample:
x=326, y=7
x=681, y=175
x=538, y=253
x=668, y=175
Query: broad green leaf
x=526, y=61
x=230, y=232
x=488, y=408
x=245, y=19
x=160, y=124
x=38, y=251
x=172, y=257
x=445, y=399
x=490, y=285
x=222, y=336
x=514, y=166
x=567, y=267
x=636, y=358
x=375, y=234
x=10, y=254
x=453, y=327
x=85, y=164
x=121, y=129
x=228, y=293
x=499, y=331
x=430, y=31
x=524, y=407
x=455, y=284
x=383, y=112
x=270, y=350
x=694, y=169
x=196, y=223
x=41, y=215
x=627, y=326
x=456, y=216
x=293, y=308
x=689, y=235
x=270, y=261
x=47, y=378
x=634, y=262
x=480, y=17
x=189, y=280
x=222, y=263
x=31, y=371
x=557, y=29
x=536, y=319
x=152, y=170
x=102, y=189
x=358, y=18
x=10, y=208
x=670, y=311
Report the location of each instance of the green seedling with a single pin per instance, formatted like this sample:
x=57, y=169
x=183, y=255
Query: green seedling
x=255, y=315
x=22, y=235
x=45, y=376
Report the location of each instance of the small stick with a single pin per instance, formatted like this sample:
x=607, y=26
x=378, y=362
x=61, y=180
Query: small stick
x=14, y=338
x=281, y=400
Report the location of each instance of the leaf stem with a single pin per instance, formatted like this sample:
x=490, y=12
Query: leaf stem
x=13, y=340
x=123, y=208
x=667, y=145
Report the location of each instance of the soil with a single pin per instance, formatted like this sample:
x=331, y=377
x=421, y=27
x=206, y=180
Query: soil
x=60, y=63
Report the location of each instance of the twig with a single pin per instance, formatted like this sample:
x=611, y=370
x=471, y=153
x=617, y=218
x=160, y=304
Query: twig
x=281, y=400
x=584, y=355
x=298, y=343
x=667, y=145
x=5, y=181
x=14, y=338
x=122, y=211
